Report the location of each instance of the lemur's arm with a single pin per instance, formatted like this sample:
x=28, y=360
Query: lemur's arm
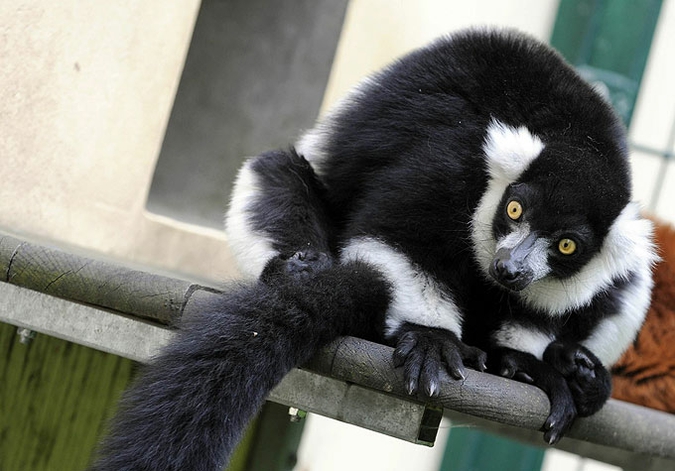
x=278, y=208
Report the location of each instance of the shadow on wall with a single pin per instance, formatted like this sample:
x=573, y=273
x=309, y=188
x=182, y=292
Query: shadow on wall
x=254, y=77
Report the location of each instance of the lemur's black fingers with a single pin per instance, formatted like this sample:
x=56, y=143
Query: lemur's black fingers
x=589, y=381
x=412, y=368
x=300, y=265
x=473, y=357
x=307, y=262
x=511, y=371
x=571, y=359
x=421, y=367
x=429, y=380
x=508, y=367
x=453, y=361
x=562, y=413
x=425, y=351
x=526, y=367
x=406, y=343
x=591, y=393
x=587, y=363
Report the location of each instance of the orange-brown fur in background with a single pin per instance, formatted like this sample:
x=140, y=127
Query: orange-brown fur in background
x=645, y=374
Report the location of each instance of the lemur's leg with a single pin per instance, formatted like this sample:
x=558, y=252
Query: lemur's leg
x=422, y=321
x=588, y=380
x=277, y=210
x=527, y=368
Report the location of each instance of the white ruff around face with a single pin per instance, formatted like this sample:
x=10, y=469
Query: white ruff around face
x=627, y=250
x=508, y=151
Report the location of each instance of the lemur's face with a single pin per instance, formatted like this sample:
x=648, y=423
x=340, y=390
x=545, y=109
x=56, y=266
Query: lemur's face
x=550, y=228
x=539, y=234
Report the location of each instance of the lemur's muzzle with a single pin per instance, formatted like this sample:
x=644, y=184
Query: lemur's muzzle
x=510, y=267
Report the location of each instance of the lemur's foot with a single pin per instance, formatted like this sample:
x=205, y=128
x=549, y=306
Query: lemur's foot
x=425, y=351
x=299, y=266
x=527, y=368
x=588, y=380
x=306, y=263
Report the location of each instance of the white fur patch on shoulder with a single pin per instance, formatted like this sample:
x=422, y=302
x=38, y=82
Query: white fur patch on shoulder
x=521, y=338
x=631, y=251
x=313, y=144
x=251, y=249
x=614, y=334
x=627, y=250
x=418, y=298
x=510, y=150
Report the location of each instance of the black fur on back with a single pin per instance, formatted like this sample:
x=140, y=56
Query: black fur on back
x=430, y=109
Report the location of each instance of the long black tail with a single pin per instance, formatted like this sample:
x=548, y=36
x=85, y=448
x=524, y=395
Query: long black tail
x=189, y=407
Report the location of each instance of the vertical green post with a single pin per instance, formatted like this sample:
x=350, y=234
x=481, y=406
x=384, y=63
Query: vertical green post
x=608, y=42
x=473, y=450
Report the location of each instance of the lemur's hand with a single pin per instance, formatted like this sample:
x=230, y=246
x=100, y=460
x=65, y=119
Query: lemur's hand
x=424, y=351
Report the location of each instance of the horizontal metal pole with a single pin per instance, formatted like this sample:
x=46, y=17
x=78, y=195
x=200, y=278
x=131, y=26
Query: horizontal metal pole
x=86, y=318
x=81, y=324
x=95, y=282
x=398, y=417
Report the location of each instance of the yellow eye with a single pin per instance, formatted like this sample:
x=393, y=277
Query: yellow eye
x=567, y=246
x=514, y=209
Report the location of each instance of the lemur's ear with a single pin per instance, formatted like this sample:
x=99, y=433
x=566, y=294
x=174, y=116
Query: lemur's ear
x=510, y=150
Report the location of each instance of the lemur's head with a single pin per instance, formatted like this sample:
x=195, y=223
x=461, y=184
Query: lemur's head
x=555, y=224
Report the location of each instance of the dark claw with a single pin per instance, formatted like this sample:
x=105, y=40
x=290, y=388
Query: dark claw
x=453, y=361
x=523, y=377
x=560, y=419
x=429, y=376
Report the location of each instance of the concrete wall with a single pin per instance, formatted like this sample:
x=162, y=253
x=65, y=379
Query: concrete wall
x=85, y=93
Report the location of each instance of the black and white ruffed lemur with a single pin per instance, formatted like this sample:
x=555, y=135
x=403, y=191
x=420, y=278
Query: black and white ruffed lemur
x=470, y=204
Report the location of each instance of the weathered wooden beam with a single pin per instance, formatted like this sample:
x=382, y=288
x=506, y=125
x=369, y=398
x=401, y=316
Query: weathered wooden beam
x=401, y=417
x=95, y=282
x=80, y=323
x=619, y=425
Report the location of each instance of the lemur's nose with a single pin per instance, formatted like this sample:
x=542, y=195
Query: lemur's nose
x=507, y=270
